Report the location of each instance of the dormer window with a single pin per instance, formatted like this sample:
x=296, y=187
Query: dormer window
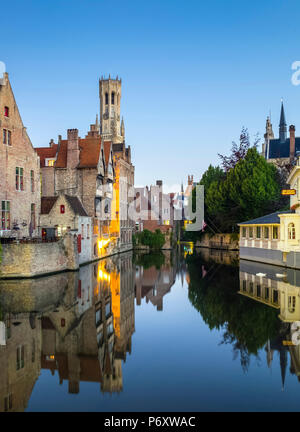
x=6, y=111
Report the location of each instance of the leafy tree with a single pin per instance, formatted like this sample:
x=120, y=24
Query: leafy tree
x=238, y=151
x=154, y=240
x=251, y=189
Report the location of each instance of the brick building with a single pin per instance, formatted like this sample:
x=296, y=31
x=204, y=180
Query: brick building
x=154, y=209
x=98, y=170
x=20, y=171
x=112, y=129
x=66, y=213
x=82, y=168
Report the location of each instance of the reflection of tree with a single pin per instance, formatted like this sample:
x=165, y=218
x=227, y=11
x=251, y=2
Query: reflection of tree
x=156, y=259
x=247, y=324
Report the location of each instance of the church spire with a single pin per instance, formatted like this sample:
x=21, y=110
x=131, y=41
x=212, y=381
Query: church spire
x=122, y=128
x=282, y=125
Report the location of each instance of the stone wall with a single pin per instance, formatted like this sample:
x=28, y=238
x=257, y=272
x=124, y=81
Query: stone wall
x=32, y=259
x=218, y=241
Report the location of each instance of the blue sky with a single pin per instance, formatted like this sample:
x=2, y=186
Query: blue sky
x=193, y=72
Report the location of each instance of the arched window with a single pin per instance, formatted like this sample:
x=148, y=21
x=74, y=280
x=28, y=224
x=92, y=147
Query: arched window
x=113, y=98
x=292, y=304
x=292, y=231
x=106, y=98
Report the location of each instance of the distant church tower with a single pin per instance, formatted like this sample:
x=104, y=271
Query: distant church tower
x=268, y=135
x=111, y=127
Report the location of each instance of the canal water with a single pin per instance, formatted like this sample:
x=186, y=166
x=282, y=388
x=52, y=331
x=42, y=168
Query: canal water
x=174, y=331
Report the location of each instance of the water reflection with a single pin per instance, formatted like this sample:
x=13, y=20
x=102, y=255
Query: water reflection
x=75, y=333
x=79, y=326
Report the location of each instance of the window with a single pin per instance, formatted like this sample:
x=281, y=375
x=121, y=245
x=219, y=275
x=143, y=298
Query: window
x=110, y=329
x=32, y=218
x=251, y=288
x=266, y=293
x=9, y=138
x=5, y=215
x=291, y=231
x=19, y=179
x=258, y=290
x=275, y=297
x=32, y=181
x=244, y=232
x=6, y=111
x=275, y=233
x=258, y=232
x=113, y=98
x=107, y=310
x=33, y=351
x=20, y=357
x=82, y=231
x=266, y=232
x=88, y=231
x=251, y=232
x=244, y=285
x=8, y=402
x=100, y=338
x=51, y=162
x=106, y=98
x=4, y=136
x=62, y=209
x=292, y=304
x=98, y=317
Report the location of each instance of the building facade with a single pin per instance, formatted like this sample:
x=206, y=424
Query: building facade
x=20, y=171
x=275, y=238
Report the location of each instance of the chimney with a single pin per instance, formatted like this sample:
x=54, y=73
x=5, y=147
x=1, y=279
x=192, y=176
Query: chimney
x=292, y=141
x=73, y=149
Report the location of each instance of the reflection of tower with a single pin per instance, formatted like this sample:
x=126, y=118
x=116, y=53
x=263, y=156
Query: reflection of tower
x=270, y=353
x=283, y=365
x=110, y=106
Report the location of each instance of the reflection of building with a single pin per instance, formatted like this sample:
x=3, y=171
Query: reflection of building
x=274, y=286
x=19, y=361
x=279, y=288
x=153, y=284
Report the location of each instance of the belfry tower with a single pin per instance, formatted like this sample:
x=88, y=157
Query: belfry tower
x=111, y=127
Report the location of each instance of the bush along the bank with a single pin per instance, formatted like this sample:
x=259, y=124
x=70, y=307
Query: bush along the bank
x=154, y=241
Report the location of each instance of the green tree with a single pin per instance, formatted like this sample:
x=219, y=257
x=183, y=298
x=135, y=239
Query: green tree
x=154, y=240
x=251, y=189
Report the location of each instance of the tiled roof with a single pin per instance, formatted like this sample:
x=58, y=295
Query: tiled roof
x=278, y=149
x=61, y=161
x=89, y=153
x=107, y=149
x=76, y=205
x=47, y=203
x=272, y=218
x=46, y=152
